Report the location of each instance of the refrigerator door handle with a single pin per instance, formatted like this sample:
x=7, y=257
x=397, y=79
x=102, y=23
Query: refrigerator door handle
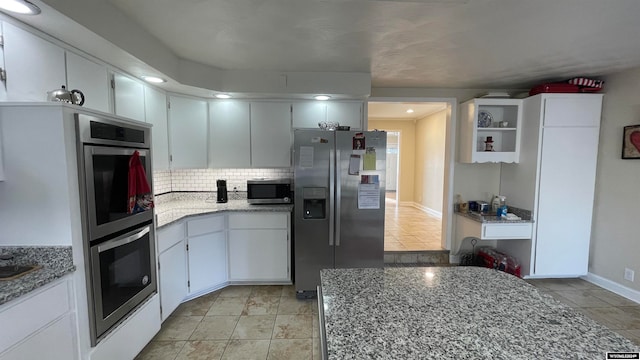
x=332, y=168
x=338, y=180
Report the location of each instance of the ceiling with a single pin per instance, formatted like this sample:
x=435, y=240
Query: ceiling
x=412, y=43
x=461, y=44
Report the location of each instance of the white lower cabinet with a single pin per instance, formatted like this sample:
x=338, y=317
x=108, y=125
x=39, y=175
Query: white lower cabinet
x=207, y=261
x=172, y=267
x=259, y=247
x=56, y=341
x=173, y=278
x=43, y=325
x=207, y=253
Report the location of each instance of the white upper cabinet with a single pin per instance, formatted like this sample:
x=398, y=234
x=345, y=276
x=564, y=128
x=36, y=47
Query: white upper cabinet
x=345, y=113
x=128, y=97
x=91, y=79
x=307, y=114
x=188, y=132
x=229, y=134
x=490, y=130
x=155, y=105
x=33, y=65
x=270, y=134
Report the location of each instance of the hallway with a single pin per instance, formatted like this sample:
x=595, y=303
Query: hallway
x=407, y=228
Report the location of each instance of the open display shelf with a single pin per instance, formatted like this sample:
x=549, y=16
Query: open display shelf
x=496, y=120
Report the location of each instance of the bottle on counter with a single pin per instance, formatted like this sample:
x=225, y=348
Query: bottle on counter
x=502, y=206
x=495, y=203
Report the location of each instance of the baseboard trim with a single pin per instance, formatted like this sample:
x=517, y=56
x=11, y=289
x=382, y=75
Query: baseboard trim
x=428, y=210
x=631, y=294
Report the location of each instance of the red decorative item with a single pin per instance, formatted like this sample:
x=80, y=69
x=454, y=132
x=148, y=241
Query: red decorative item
x=554, y=88
x=140, y=197
x=495, y=259
x=635, y=139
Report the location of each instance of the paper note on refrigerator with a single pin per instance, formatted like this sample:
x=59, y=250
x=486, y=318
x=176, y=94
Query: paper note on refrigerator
x=354, y=165
x=369, y=196
x=369, y=159
x=306, y=156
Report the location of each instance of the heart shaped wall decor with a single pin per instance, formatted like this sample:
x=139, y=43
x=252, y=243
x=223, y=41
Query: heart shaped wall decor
x=635, y=139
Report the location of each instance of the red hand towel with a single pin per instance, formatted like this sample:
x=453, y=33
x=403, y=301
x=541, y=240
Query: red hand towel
x=140, y=197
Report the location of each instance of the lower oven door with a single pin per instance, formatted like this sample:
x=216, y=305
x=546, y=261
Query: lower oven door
x=123, y=276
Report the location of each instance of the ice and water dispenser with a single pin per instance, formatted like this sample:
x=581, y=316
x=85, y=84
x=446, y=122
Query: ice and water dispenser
x=314, y=202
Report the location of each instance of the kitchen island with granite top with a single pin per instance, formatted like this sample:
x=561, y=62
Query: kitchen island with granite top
x=451, y=313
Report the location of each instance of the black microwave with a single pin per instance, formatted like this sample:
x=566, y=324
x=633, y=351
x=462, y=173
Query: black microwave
x=269, y=191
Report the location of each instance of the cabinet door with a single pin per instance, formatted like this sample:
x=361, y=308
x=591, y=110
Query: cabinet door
x=270, y=134
x=128, y=97
x=207, y=261
x=567, y=179
x=188, y=133
x=173, y=278
x=155, y=105
x=345, y=113
x=56, y=341
x=90, y=78
x=229, y=134
x=307, y=114
x=34, y=66
x=258, y=255
x=573, y=110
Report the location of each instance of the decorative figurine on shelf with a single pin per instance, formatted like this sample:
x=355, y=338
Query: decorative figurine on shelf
x=488, y=144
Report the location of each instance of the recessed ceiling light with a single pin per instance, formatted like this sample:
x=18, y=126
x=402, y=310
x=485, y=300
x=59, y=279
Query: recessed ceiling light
x=223, y=96
x=153, y=79
x=20, y=7
x=322, y=97
x=410, y=111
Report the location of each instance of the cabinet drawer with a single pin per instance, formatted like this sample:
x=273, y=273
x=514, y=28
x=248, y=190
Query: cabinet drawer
x=258, y=221
x=205, y=225
x=54, y=342
x=170, y=235
x=33, y=313
x=506, y=231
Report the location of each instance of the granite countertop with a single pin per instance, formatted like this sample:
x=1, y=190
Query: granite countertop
x=56, y=261
x=176, y=209
x=525, y=216
x=453, y=313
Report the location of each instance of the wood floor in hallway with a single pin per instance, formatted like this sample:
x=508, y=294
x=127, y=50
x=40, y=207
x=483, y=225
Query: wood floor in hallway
x=408, y=228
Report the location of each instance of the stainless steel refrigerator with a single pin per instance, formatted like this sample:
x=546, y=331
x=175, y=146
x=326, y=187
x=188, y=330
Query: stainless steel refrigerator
x=339, y=203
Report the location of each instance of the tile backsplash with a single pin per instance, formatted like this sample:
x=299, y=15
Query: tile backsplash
x=205, y=179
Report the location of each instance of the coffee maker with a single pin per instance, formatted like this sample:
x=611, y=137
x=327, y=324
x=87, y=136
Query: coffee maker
x=222, y=191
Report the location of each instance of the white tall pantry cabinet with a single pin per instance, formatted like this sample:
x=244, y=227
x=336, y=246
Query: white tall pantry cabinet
x=556, y=179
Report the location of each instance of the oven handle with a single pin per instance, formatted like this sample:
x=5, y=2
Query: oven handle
x=115, y=243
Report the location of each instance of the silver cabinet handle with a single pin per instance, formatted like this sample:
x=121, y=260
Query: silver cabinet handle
x=332, y=163
x=338, y=195
x=129, y=238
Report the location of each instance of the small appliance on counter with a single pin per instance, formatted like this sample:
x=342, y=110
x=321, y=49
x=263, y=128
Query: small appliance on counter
x=222, y=191
x=269, y=191
x=479, y=206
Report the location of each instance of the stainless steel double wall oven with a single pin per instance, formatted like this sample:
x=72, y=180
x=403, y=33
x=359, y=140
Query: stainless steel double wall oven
x=119, y=246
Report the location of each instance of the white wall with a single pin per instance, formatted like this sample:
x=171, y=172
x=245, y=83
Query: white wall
x=615, y=239
x=429, y=161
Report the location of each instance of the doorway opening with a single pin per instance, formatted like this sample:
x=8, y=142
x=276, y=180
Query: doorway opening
x=392, y=173
x=419, y=163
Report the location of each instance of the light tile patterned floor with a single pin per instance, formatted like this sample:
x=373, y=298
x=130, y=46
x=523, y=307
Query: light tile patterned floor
x=407, y=228
x=268, y=322
x=239, y=322
x=606, y=308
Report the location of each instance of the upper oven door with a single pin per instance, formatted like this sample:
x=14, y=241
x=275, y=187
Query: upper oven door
x=106, y=171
